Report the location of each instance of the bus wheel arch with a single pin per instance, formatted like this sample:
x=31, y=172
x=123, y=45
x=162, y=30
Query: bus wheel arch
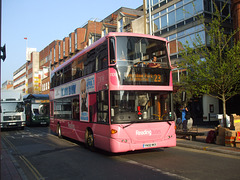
x=89, y=139
x=59, y=131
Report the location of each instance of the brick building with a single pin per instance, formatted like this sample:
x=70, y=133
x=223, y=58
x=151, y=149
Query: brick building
x=60, y=51
x=33, y=75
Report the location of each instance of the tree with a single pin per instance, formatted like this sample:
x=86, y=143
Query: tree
x=213, y=67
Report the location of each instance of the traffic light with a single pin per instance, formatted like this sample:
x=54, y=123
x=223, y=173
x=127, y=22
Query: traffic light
x=3, y=52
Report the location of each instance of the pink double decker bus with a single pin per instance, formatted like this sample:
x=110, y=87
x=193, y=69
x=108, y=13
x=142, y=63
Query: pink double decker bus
x=116, y=94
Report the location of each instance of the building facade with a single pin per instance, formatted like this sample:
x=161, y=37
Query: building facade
x=7, y=85
x=19, y=79
x=33, y=75
x=235, y=9
x=178, y=22
x=59, y=51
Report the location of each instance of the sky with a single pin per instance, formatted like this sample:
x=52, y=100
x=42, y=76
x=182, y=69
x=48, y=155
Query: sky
x=43, y=21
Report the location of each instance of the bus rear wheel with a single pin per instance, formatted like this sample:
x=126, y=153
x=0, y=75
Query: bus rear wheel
x=89, y=140
x=59, y=132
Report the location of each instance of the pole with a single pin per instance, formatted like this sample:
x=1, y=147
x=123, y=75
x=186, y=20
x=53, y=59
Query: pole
x=0, y=58
x=150, y=17
x=145, y=13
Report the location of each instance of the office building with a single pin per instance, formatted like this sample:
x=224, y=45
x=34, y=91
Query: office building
x=7, y=85
x=178, y=22
x=19, y=79
x=235, y=9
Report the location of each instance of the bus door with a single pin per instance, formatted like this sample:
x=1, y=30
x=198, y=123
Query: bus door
x=103, y=107
x=92, y=107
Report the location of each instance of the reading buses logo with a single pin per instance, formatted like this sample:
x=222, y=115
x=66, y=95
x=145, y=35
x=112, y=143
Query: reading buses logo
x=113, y=74
x=145, y=132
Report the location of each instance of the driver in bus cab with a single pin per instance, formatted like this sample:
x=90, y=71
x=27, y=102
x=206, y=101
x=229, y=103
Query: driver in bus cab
x=154, y=63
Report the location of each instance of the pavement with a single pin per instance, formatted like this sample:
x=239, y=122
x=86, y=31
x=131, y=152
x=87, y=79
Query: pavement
x=200, y=143
x=10, y=170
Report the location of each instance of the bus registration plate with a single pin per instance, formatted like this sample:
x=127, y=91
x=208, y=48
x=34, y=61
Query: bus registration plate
x=149, y=145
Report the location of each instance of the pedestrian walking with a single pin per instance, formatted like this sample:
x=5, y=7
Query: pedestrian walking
x=185, y=117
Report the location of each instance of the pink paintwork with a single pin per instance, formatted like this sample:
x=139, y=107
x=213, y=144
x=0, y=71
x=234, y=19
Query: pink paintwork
x=108, y=136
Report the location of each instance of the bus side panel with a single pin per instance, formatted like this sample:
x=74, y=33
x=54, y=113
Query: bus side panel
x=53, y=125
x=102, y=136
x=101, y=80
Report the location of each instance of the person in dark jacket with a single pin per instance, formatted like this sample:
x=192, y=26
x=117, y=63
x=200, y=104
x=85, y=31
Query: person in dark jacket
x=185, y=117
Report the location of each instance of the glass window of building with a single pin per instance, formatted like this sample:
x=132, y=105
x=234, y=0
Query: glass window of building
x=198, y=5
x=120, y=22
x=155, y=15
x=190, y=39
x=171, y=18
x=190, y=31
x=179, y=14
x=155, y=2
x=172, y=37
x=186, y=1
x=156, y=24
x=180, y=34
x=64, y=47
x=170, y=8
x=70, y=44
x=188, y=10
x=163, y=11
x=76, y=40
x=208, y=5
x=180, y=3
x=164, y=21
x=201, y=35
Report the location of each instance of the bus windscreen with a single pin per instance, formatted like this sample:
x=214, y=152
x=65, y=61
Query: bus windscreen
x=142, y=61
x=139, y=106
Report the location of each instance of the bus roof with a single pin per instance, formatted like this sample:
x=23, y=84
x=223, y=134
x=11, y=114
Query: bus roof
x=135, y=34
x=111, y=34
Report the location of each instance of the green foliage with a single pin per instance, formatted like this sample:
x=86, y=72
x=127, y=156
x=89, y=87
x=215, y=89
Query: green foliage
x=178, y=95
x=213, y=68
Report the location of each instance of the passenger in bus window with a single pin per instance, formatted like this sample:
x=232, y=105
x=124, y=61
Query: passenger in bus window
x=153, y=64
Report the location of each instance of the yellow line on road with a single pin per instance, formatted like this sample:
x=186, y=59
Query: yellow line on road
x=34, y=171
x=31, y=168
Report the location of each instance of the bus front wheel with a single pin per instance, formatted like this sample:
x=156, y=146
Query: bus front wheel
x=89, y=140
